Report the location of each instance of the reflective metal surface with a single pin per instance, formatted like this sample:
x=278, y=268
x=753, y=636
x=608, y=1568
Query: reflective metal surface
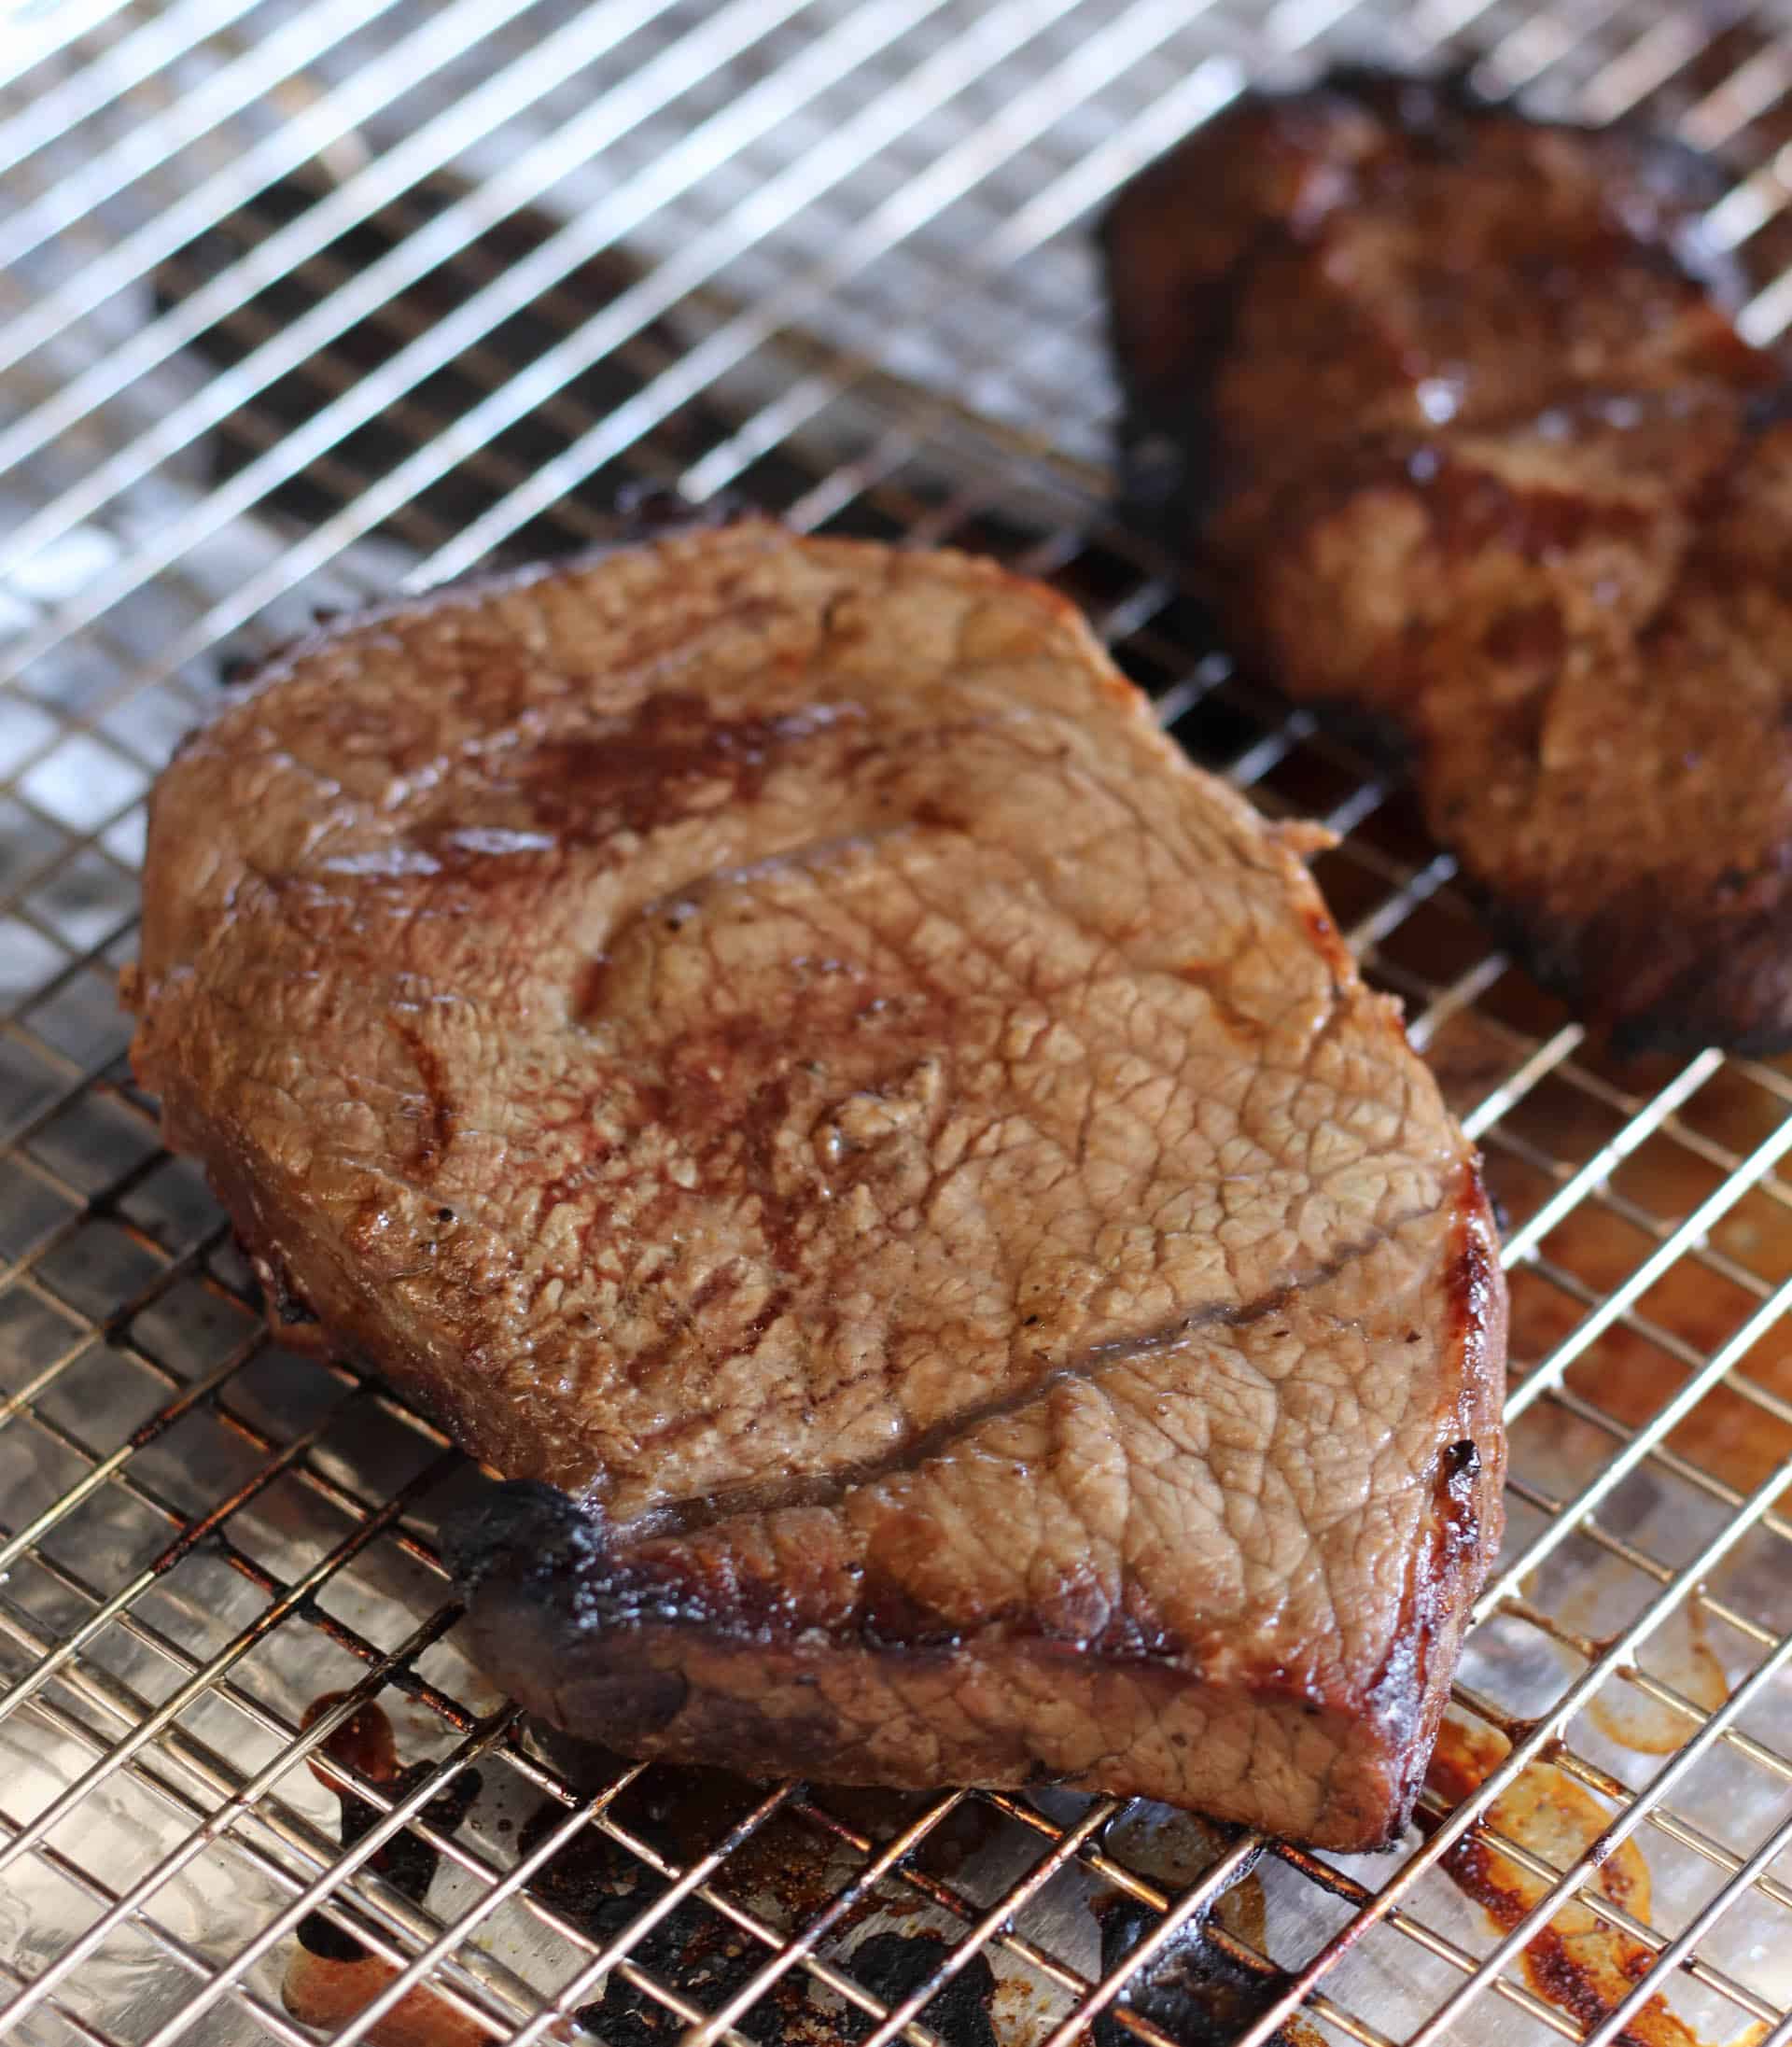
x=305, y=303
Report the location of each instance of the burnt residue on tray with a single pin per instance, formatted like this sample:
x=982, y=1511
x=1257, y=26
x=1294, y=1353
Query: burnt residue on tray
x=891, y=1966
x=1211, y=1981
x=1196, y=1990
x=603, y=1888
x=787, y=1869
x=1202, y=1991
x=598, y=1883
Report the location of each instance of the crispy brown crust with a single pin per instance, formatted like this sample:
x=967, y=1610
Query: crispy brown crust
x=1446, y=410
x=682, y=1093
x=671, y=1651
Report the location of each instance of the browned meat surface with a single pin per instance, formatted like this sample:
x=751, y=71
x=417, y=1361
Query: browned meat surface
x=766, y=1036
x=1455, y=431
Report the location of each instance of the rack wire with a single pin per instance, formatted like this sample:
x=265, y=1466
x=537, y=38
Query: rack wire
x=304, y=300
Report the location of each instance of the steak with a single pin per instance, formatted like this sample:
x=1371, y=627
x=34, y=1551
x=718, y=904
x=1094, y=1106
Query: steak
x=1445, y=411
x=767, y=1041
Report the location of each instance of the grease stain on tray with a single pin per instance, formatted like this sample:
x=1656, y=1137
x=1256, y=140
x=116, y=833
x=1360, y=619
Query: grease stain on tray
x=1682, y=1658
x=1581, y=1962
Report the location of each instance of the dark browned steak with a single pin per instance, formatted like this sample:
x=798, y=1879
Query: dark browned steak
x=765, y=1037
x=1452, y=425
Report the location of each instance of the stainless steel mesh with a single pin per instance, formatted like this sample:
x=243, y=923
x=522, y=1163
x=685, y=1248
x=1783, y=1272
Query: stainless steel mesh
x=302, y=302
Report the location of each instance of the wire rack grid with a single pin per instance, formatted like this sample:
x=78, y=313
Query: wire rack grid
x=302, y=302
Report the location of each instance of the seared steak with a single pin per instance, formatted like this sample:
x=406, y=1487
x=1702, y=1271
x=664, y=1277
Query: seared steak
x=1446, y=413
x=768, y=1042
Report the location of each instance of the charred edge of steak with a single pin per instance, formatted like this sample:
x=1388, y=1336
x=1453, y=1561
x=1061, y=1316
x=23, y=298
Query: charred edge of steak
x=546, y=1544
x=609, y=1654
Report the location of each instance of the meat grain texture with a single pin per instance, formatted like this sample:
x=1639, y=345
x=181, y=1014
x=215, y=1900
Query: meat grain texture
x=1446, y=411
x=768, y=1042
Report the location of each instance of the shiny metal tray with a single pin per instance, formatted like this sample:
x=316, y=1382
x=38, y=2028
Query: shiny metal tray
x=303, y=304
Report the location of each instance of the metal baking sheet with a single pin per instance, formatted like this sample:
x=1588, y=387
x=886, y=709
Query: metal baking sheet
x=304, y=303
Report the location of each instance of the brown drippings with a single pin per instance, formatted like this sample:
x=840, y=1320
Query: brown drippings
x=331, y=1977
x=1685, y=1659
x=1581, y=1962
x=318, y=1991
x=364, y=1743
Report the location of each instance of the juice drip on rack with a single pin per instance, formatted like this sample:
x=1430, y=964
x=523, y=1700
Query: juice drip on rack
x=331, y=1977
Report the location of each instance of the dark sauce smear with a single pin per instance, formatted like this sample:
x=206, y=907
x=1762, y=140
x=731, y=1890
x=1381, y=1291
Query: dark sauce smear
x=364, y=1743
x=331, y=1977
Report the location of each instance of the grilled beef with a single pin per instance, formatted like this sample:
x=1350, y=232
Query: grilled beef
x=768, y=1042
x=1446, y=412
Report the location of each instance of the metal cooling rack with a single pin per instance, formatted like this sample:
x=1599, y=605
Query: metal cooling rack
x=854, y=284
